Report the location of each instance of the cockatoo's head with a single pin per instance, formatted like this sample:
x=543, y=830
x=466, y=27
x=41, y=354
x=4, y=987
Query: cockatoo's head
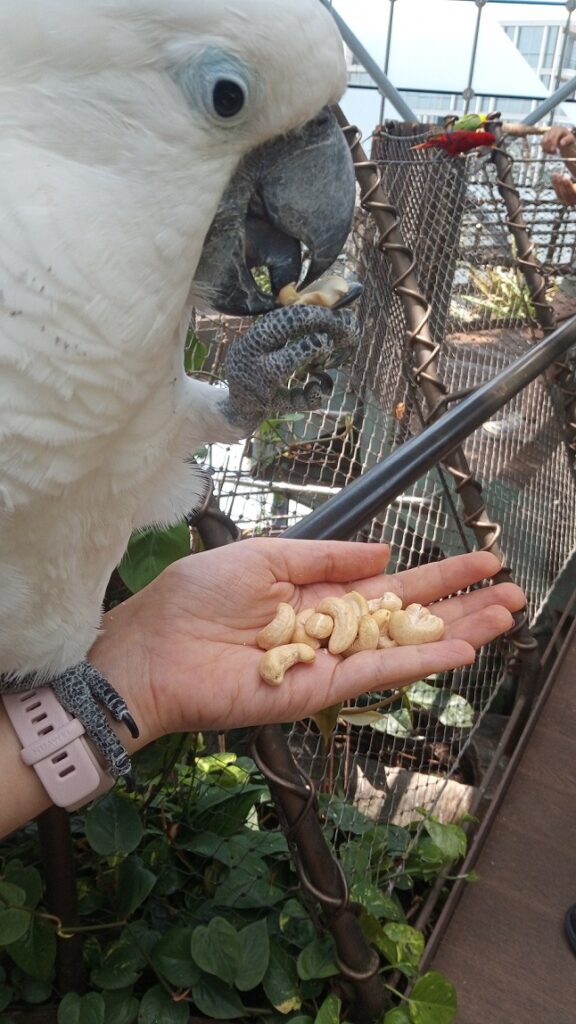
x=268, y=79
x=211, y=113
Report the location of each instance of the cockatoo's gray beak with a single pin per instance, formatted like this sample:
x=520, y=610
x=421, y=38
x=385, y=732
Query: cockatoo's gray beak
x=296, y=190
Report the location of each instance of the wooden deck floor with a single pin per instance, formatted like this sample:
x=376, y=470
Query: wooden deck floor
x=504, y=948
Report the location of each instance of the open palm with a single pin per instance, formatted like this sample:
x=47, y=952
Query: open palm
x=194, y=628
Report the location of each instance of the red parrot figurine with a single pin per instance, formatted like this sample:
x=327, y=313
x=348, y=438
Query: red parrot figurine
x=458, y=142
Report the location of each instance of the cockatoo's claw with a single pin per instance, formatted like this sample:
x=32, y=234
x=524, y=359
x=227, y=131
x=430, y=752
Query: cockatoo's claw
x=260, y=363
x=83, y=691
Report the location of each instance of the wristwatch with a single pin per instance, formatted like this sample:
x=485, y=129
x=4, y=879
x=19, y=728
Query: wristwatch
x=54, y=745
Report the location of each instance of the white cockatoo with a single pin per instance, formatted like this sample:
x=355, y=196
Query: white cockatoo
x=151, y=153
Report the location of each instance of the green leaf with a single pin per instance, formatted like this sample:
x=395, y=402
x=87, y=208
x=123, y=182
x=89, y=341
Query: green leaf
x=450, y=839
x=329, y=1012
x=135, y=883
x=249, y=885
x=456, y=712
x=254, y=956
x=215, y=999
x=75, y=1009
x=195, y=354
x=317, y=960
x=375, y=901
x=401, y=944
x=32, y=990
x=395, y=723
x=326, y=720
x=113, y=825
x=156, y=1007
x=11, y=895
x=280, y=982
x=13, y=925
x=120, y=967
x=433, y=1000
x=6, y=995
x=399, y=1015
x=172, y=958
x=149, y=552
x=35, y=951
x=121, y=1007
x=216, y=949
x=451, y=708
x=422, y=694
x=27, y=878
x=359, y=717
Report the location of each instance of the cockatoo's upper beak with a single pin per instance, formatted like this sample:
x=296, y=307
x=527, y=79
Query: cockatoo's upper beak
x=296, y=190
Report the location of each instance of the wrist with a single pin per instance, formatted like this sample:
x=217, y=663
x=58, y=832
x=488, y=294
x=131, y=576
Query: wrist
x=119, y=653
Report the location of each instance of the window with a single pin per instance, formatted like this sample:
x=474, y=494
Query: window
x=551, y=41
x=530, y=39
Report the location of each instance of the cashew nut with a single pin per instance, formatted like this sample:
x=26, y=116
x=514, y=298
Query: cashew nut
x=382, y=617
x=280, y=630
x=358, y=601
x=325, y=293
x=385, y=643
x=276, y=662
x=391, y=602
x=367, y=637
x=345, y=623
x=415, y=625
x=300, y=636
x=319, y=625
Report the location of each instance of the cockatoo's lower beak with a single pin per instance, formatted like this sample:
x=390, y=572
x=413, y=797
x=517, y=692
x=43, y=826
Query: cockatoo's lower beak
x=295, y=191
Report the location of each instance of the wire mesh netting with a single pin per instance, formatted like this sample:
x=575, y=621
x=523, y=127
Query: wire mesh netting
x=427, y=749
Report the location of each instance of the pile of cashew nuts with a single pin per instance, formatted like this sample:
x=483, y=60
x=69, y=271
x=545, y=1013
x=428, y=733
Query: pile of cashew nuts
x=345, y=625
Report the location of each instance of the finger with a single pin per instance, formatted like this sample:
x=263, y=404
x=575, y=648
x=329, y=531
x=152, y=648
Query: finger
x=506, y=594
x=400, y=666
x=481, y=626
x=431, y=582
x=316, y=561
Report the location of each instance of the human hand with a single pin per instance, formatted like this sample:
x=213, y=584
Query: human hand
x=183, y=650
x=565, y=189
x=559, y=139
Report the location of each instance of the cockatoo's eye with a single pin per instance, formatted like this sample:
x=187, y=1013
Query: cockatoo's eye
x=219, y=84
x=228, y=97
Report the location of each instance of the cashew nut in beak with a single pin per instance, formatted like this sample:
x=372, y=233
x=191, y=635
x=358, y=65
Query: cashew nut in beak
x=325, y=292
x=345, y=623
x=280, y=630
x=276, y=662
x=415, y=625
x=367, y=637
x=300, y=636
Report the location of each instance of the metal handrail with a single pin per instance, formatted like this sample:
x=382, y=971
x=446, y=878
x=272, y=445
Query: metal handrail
x=342, y=515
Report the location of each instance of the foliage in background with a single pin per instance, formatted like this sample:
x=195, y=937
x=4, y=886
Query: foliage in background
x=190, y=904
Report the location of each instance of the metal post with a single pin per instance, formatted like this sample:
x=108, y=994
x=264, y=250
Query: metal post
x=387, y=54
x=550, y=102
x=468, y=92
x=363, y=57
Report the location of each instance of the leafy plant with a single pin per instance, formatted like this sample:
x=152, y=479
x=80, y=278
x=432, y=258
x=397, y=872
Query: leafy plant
x=190, y=904
x=448, y=708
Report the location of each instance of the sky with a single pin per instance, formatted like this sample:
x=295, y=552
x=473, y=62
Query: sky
x=432, y=42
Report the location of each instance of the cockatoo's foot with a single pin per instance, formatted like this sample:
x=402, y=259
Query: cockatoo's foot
x=83, y=691
x=259, y=364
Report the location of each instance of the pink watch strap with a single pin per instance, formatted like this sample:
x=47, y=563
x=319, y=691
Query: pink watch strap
x=55, y=747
